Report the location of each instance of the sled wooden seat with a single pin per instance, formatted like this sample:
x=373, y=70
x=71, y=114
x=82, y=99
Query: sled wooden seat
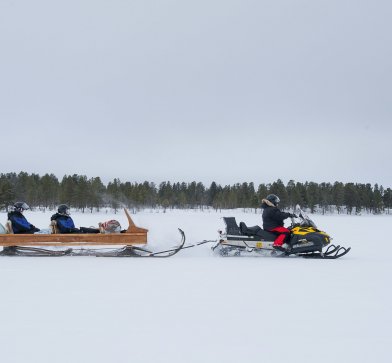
x=133, y=236
x=53, y=227
x=8, y=227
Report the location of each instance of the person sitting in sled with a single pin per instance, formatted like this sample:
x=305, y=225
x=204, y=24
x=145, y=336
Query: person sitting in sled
x=273, y=220
x=19, y=223
x=65, y=223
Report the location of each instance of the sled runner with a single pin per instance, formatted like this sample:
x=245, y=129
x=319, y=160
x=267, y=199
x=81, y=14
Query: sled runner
x=32, y=244
x=305, y=241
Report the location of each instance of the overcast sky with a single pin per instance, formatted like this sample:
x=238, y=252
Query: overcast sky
x=181, y=90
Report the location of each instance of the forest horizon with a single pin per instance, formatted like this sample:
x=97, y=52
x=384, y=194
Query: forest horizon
x=83, y=193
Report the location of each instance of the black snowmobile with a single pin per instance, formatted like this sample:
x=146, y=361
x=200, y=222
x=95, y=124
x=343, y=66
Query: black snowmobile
x=305, y=240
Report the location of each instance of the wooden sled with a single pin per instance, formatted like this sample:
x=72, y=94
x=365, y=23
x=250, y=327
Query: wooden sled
x=133, y=236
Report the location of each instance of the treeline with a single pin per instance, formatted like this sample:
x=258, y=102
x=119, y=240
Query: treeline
x=83, y=193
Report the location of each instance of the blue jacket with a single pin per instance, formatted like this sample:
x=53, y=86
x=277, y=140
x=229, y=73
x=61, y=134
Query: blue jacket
x=20, y=223
x=65, y=223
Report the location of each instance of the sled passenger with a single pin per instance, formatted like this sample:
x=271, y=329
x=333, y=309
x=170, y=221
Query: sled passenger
x=18, y=221
x=65, y=223
x=273, y=220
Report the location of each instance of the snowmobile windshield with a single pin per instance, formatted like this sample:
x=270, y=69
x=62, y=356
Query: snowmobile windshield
x=311, y=223
x=305, y=217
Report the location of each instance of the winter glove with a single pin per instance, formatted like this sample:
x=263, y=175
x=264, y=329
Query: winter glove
x=34, y=228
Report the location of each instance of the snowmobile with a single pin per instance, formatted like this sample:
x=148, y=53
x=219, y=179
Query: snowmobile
x=306, y=240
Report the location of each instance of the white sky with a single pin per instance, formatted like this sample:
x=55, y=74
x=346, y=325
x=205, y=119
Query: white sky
x=225, y=90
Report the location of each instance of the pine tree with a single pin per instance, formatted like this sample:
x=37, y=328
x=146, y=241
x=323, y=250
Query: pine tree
x=49, y=191
x=358, y=199
x=33, y=188
x=290, y=188
x=114, y=193
x=325, y=196
x=299, y=195
x=22, y=186
x=350, y=196
x=387, y=199
x=96, y=193
x=312, y=196
x=211, y=193
x=7, y=193
x=368, y=197
x=279, y=189
x=338, y=195
x=262, y=192
x=377, y=199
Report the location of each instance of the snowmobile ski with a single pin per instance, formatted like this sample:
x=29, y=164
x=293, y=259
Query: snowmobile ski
x=337, y=253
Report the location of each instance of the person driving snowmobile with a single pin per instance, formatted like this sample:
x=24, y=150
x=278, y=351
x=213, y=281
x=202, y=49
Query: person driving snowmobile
x=65, y=223
x=273, y=220
x=18, y=220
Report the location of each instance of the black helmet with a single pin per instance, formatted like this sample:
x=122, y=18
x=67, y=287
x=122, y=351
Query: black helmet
x=63, y=209
x=274, y=199
x=20, y=207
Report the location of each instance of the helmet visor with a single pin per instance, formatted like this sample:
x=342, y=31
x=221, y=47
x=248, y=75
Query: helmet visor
x=24, y=206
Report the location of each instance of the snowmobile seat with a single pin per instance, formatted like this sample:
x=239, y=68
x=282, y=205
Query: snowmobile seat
x=257, y=231
x=232, y=226
x=249, y=231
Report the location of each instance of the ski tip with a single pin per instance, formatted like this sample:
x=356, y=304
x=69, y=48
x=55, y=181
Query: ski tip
x=181, y=232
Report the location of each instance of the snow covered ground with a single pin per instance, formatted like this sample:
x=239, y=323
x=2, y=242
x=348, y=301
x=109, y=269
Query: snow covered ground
x=195, y=307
